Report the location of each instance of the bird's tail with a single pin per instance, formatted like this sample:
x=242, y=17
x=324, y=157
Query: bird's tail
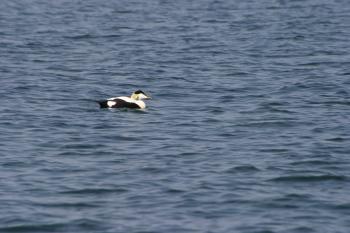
x=103, y=103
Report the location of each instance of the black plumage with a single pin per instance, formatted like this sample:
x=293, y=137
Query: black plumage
x=118, y=103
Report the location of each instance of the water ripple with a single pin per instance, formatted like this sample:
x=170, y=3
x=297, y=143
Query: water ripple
x=304, y=178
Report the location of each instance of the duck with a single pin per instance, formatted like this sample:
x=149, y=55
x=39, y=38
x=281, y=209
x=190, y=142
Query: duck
x=134, y=101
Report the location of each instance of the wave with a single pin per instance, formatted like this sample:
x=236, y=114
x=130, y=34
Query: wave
x=310, y=178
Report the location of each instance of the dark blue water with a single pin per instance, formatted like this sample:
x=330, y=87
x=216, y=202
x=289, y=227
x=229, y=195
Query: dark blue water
x=248, y=130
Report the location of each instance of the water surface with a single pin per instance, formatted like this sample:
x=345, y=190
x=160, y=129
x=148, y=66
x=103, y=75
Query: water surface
x=247, y=131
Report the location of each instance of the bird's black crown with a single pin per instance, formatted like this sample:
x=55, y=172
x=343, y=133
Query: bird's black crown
x=139, y=92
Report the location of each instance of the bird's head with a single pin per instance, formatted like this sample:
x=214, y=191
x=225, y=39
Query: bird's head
x=139, y=95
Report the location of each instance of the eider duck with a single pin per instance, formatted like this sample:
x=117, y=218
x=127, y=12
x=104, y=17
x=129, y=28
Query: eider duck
x=134, y=101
